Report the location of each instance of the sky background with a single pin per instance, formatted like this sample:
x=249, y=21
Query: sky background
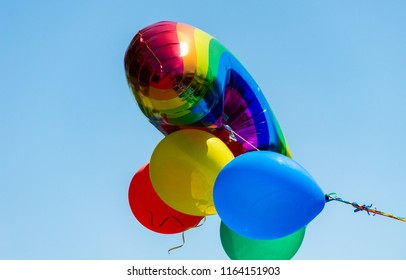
x=72, y=135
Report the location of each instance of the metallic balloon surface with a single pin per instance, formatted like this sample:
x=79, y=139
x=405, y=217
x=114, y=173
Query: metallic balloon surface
x=183, y=77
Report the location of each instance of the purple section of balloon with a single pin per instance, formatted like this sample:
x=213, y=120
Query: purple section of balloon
x=238, y=116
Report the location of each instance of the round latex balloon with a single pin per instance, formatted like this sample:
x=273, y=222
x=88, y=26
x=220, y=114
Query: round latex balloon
x=238, y=247
x=266, y=195
x=151, y=211
x=183, y=168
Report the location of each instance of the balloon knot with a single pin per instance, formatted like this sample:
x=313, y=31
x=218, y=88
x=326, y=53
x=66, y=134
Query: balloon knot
x=331, y=196
x=231, y=132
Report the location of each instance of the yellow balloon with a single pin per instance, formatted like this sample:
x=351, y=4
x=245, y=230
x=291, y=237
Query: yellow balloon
x=183, y=168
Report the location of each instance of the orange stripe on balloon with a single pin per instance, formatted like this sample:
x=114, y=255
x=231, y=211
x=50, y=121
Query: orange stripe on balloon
x=187, y=50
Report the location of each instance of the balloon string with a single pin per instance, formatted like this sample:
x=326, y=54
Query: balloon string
x=179, y=246
x=164, y=221
x=358, y=208
x=183, y=236
x=242, y=138
x=150, y=50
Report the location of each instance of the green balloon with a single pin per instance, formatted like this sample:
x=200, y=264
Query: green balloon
x=238, y=247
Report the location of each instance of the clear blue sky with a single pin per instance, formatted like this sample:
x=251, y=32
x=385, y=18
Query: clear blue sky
x=72, y=135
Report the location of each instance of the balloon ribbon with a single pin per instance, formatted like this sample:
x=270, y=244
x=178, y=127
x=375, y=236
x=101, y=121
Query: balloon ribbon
x=358, y=208
x=183, y=236
x=164, y=221
x=179, y=246
x=232, y=133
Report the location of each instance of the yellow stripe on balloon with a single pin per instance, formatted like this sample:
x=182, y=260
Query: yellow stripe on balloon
x=162, y=105
x=202, y=49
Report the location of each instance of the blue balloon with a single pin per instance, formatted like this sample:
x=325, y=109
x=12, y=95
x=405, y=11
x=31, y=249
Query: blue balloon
x=265, y=195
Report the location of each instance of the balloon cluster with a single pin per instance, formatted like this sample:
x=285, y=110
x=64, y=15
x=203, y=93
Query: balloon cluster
x=223, y=152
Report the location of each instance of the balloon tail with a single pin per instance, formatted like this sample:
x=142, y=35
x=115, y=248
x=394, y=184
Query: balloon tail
x=364, y=207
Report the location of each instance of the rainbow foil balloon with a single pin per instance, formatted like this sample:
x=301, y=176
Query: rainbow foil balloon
x=182, y=77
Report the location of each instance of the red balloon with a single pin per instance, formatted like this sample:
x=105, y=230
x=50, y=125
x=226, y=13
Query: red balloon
x=151, y=211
